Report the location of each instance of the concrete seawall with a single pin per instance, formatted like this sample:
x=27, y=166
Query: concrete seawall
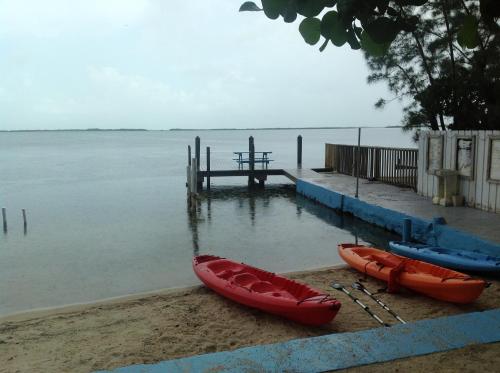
x=423, y=230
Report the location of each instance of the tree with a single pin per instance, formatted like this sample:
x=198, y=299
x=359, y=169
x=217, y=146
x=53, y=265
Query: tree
x=450, y=86
x=442, y=54
x=370, y=24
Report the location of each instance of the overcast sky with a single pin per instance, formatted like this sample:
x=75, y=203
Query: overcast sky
x=164, y=64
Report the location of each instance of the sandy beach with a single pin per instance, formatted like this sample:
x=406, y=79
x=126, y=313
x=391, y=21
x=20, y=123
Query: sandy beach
x=169, y=324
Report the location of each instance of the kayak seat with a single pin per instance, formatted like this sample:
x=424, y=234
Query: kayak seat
x=263, y=287
x=224, y=264
x=245, y=279
x=227, y=273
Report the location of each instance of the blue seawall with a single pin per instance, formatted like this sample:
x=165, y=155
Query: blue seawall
x=426, y=231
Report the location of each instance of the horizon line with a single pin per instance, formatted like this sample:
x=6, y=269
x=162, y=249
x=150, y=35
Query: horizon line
x=193, y=129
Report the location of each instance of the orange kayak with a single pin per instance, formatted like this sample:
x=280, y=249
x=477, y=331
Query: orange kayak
x=429, y=279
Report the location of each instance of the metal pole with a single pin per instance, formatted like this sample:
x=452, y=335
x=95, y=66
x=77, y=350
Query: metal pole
x=357, y=162
x=359, y=286
x=189, y=155
x=208, y=167
x=359, y=303
x=299, y=151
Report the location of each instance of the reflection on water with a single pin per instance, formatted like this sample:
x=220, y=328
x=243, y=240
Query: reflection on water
x=108, y=216
x=255, y=204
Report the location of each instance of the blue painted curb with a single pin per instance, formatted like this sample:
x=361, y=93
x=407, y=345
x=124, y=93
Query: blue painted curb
x=340, y=351
x=422, y=230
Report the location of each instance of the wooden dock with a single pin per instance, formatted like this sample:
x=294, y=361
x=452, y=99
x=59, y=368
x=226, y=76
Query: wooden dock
x=196, y=177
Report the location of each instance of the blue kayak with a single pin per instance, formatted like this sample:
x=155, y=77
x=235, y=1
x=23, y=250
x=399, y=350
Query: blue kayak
x=449, y=258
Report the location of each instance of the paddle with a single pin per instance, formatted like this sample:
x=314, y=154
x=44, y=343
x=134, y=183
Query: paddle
x=358, y=302
x=359, y=286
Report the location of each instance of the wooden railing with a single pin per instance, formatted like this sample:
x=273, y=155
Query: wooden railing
x=397, y=166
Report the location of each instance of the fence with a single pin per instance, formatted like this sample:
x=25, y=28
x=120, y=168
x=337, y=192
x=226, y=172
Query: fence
x=397, y=166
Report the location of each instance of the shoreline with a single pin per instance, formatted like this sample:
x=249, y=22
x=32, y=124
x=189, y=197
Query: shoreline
x=156, y=326
x=76, y=307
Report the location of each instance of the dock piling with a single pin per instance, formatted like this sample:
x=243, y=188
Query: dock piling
x=193, y=182
x=299, y=151
x=4, y=217
x=199, y=182
x=189, y=155
x=197, y=149
x=25, y=222
x=251, y=164
x=208, y=167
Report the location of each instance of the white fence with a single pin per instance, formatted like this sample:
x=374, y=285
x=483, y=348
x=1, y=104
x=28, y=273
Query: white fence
x=475, y=155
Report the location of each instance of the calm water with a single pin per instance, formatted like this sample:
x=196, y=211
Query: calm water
x=107, y=212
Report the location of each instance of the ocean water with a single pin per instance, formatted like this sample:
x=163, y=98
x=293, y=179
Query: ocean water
x=108, y=216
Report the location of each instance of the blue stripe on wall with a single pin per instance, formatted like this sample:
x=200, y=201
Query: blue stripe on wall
x=422, y=230
x=339, y=351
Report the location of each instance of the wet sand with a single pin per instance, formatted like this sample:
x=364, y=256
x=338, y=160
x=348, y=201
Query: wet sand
x=169, y=324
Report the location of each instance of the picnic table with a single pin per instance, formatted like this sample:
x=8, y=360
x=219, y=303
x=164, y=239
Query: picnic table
x=259, y=157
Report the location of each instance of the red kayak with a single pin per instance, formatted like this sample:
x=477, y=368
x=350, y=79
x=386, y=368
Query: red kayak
x=265, y=291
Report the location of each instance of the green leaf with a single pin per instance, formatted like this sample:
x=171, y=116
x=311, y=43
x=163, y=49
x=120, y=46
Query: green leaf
x=352, y=40
x=382, y=5
x=346, y=7
x=382, y=30
x=489, y=8
x=332, y=28
x=289, y=13
x=467, y=35
x=249, y=6
x=273, y=8
x=311, y=8
x=310, y=29
x=371, y=47
x=323, y=46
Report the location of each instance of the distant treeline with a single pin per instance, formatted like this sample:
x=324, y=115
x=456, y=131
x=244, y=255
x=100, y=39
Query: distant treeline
x=277, y=128
x=79, y=130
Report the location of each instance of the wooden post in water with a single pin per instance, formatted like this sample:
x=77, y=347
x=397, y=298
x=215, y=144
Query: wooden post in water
x=357, y=162
x=4, y=217
x=194, y=182
x=199, y=183
x=299, y=151
x=189, y=155
x=208, y=167
x=197, y=149
x=251, y=163
x=25, y=222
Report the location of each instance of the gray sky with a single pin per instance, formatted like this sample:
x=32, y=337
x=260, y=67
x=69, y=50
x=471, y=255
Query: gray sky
x=163, y=64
